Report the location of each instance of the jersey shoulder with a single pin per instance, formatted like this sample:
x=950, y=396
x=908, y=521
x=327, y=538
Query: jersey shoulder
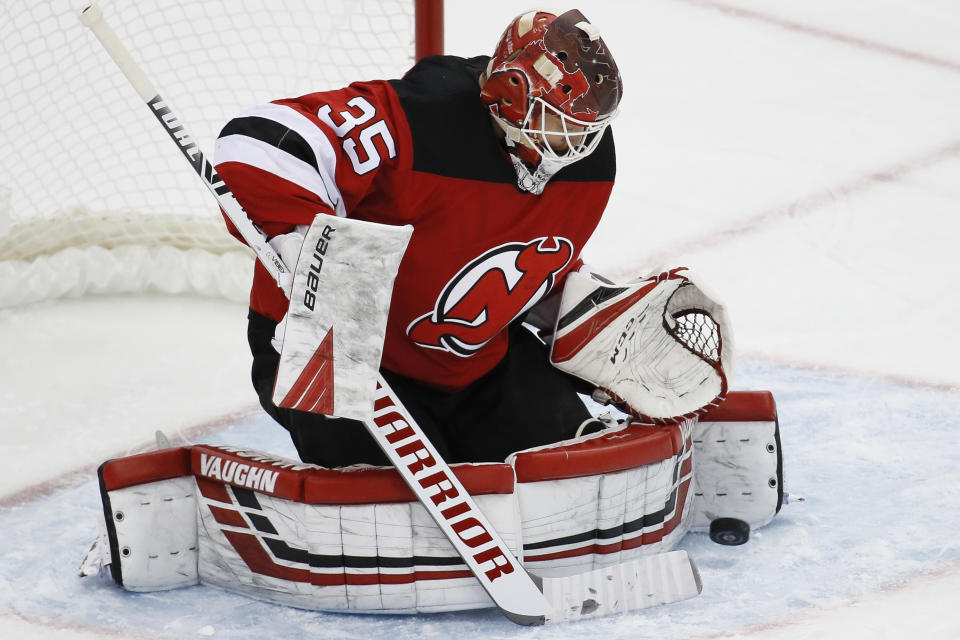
x=449, y=127
x=333, y=145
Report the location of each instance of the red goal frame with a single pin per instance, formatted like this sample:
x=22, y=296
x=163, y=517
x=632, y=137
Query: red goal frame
x=428, y=30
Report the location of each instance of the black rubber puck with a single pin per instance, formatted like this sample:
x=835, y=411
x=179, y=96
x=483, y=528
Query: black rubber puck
x=729, y=531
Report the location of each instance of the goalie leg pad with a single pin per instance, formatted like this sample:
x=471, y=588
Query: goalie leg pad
x=152, y=533
x=356, y=540
x=372, y=558
x=739, y=462
x=604, y=499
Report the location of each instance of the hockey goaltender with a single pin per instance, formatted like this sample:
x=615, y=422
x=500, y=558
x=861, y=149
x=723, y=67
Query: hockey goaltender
x=437, y=221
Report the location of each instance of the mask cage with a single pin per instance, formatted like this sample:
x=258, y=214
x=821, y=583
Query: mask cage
x=580, y=141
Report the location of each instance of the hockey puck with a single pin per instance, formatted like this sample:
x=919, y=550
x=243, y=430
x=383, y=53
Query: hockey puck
x=729, y=531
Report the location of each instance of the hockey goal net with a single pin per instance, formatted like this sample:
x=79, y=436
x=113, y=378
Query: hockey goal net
x=93, y=196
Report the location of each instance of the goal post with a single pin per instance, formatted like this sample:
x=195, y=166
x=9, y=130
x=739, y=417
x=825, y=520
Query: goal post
x=91, y=192
x=429, y=28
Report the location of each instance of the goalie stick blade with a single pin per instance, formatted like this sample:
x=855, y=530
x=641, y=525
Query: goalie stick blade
x=636, y=584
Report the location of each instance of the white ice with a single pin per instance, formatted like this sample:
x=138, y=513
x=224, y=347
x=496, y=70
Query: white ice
x=803, y=157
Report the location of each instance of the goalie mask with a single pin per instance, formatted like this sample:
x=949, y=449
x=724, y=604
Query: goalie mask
x=553, y=87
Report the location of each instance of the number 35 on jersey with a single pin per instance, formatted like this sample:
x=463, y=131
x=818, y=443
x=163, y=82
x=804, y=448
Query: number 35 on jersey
x=355, y=126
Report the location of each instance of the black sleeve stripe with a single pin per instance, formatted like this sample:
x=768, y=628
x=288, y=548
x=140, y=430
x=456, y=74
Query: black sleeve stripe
x=274, y=134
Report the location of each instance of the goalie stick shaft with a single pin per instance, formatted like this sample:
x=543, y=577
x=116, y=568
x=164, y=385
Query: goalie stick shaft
x=92, y=18
x=631, y=585
x=454, y=510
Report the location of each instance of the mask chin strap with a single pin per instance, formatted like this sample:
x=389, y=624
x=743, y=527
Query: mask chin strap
x=533, y=182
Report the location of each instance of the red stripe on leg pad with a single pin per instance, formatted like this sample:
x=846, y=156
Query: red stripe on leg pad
x=213, y=490
x=215, y=467
x=145, y=467
x=385, y=485
x=228, y=517
x=744, y=406
x=635, y=446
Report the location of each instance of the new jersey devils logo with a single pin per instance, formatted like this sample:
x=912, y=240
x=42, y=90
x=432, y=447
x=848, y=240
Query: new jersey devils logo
x=490, y=292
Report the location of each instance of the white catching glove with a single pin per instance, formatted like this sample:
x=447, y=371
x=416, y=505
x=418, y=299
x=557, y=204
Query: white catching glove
x=287, y=246
x=659, y=344
x=543, y=315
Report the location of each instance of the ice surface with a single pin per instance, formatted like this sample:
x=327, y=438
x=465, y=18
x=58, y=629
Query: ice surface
x=811, y=179
x=865, y=454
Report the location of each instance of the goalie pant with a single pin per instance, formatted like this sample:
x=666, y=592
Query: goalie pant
x=357, y=540
x=524, y=402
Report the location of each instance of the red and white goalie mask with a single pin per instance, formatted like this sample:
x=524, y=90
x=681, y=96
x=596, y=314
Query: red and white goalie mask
x=553, y=87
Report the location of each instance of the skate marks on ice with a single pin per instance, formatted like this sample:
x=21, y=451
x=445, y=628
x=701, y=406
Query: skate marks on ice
x=873, y=459
x=808, y=204
x=81, y=473
x=894, y=612
x=811, y=29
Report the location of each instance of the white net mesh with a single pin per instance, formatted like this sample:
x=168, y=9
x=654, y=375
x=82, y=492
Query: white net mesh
x=85, y=165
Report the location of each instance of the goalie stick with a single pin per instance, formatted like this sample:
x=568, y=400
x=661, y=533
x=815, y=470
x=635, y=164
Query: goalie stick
x=635, y=584
x=92, y=18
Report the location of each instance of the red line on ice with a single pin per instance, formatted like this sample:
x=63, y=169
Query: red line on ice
x=80, y=627
x=88, y=471
x=826, y=34
x=811, y=622
x=906, y=381
x=805, y=205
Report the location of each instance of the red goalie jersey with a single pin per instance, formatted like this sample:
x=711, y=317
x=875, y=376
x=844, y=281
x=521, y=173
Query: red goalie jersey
x=422, y=151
